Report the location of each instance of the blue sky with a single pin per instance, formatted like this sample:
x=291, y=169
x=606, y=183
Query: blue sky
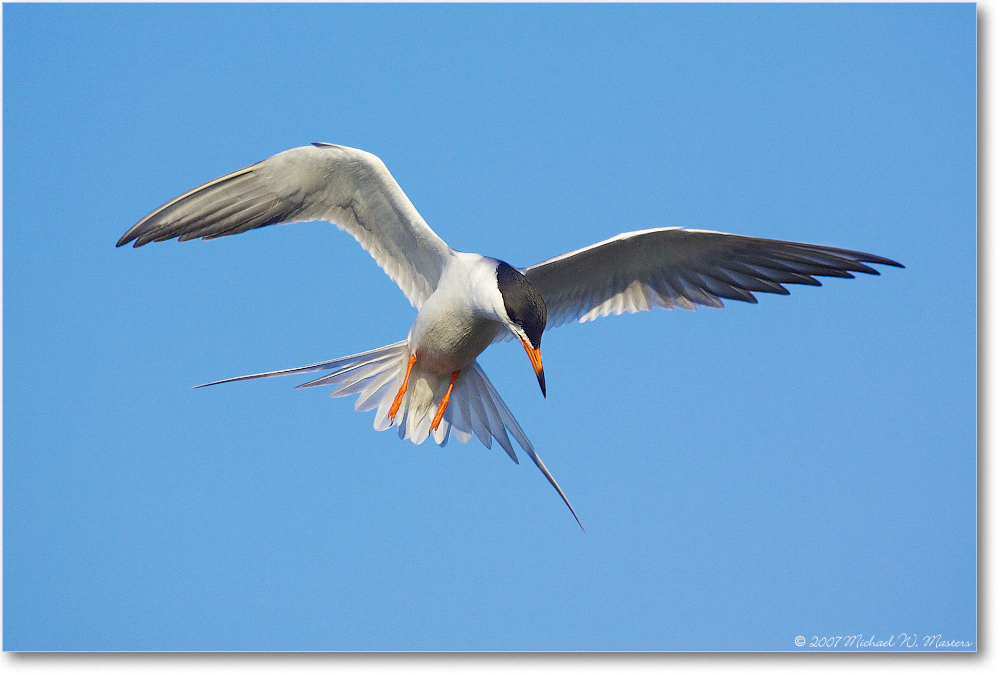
x=805, y=466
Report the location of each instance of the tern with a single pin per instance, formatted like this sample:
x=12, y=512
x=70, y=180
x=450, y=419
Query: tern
x=430, y=384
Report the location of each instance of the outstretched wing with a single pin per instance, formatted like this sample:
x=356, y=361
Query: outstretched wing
x=673, y=267
x=349, y=188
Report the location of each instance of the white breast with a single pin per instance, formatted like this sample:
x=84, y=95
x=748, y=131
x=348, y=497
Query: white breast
x=461, y=318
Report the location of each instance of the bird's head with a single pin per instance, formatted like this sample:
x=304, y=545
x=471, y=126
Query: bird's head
x=525, y=314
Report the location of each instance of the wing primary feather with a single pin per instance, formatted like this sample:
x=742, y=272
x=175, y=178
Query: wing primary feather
x=228, y=214
x=749, y=279
x=191, y=196
x=205, y=201
x=846, y=253
x=809, y=260
x=725, y=289
x=674, y=267
x=350, y=188
x=695, y=292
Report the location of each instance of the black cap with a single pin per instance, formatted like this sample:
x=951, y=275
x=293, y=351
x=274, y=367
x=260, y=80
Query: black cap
x=523, y=302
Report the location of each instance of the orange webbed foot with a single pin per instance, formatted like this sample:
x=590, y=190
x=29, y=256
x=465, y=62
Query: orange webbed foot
x=402, y=389
x=444, y=402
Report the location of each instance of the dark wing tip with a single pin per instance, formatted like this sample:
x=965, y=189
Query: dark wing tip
x=860, y=257
x=126, y=238
x=135, y=232
x=877, y=259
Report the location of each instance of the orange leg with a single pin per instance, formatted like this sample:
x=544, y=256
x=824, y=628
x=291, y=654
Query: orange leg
x=402, y=390
x=444, y=402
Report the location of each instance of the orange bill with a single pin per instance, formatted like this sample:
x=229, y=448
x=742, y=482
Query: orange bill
x=536, y=362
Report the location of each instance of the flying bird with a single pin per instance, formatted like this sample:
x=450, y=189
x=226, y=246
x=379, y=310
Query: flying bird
x=430, y=385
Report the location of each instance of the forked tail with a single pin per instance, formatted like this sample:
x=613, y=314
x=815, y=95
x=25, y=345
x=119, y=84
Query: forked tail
x=475, y=407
